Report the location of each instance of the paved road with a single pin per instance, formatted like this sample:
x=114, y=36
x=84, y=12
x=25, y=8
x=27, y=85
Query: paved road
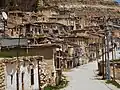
x=84, y=78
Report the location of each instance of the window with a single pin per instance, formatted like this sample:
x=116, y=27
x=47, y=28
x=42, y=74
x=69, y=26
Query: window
x=52, y=74
x=34, y=17
x=17, y=79
x=46, y=31
x=43, y=18
x=58, y=64
x=22, y=77
x=11, y=79
x=39, y=31
x=55, y=31
x=24, y=64
x=12, y=33
x=32, y=77
x=35, y=30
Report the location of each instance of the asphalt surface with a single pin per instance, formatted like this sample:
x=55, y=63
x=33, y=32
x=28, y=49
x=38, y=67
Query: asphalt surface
x=85, y=78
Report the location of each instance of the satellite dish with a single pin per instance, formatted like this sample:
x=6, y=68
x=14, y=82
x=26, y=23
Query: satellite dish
x=4, y=15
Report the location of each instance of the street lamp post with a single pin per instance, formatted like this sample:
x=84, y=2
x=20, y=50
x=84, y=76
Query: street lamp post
x=4, y=15
x=108, y=39
x=103, y=59
x=113, y=58
x=28, y=46
x=108, y=60
x=4, y=27
x=18, y=62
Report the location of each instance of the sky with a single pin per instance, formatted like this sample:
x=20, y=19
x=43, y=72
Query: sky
x=118, y=1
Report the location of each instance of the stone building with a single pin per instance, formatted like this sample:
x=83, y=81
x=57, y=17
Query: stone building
x=48, y=51
x=116, y=37
x=16, y=19
x=23, y=73
x=63, y=19
x=80, y=37
x=49, y=11
x=77, y=52
x=29, y=73
x=51, y=29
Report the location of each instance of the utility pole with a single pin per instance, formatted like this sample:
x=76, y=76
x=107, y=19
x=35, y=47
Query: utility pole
x=4, y=27
x=113, y=50
x=39, y=80
x=18, y=67
x=103, y=60
x=18, y=49
x=4, y=17
x=105, y=49
x=105, y=54
x=107, y=61
x=97, y=50
x=113, y=58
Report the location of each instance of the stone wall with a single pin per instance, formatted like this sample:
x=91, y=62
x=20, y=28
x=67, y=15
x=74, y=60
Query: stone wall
x=2, y=76
x=46, y=71
x=117, y=73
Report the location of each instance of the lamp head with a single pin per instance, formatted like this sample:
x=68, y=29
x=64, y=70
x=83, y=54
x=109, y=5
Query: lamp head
x=4, y=15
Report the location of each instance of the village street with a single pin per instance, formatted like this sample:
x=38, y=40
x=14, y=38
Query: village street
x=85, y=78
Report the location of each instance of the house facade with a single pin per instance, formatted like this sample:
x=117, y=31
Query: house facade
x=23, y=74
x=39, y=28
x=32, y=72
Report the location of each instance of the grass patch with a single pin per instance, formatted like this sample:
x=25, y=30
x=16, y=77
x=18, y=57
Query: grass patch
x=116, y=60
x=113, y=83
x=67, y=70
x=62, y=84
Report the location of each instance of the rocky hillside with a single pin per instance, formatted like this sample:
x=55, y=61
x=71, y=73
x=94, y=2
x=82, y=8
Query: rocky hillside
x=79, y=7
x=24, y=5
x=30, y=5
x=93, y=2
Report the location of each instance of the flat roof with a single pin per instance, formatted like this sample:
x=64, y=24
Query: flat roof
x=48, y=23
x=45, y=45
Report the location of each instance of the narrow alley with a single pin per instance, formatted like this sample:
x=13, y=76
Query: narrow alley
x=85, y=78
